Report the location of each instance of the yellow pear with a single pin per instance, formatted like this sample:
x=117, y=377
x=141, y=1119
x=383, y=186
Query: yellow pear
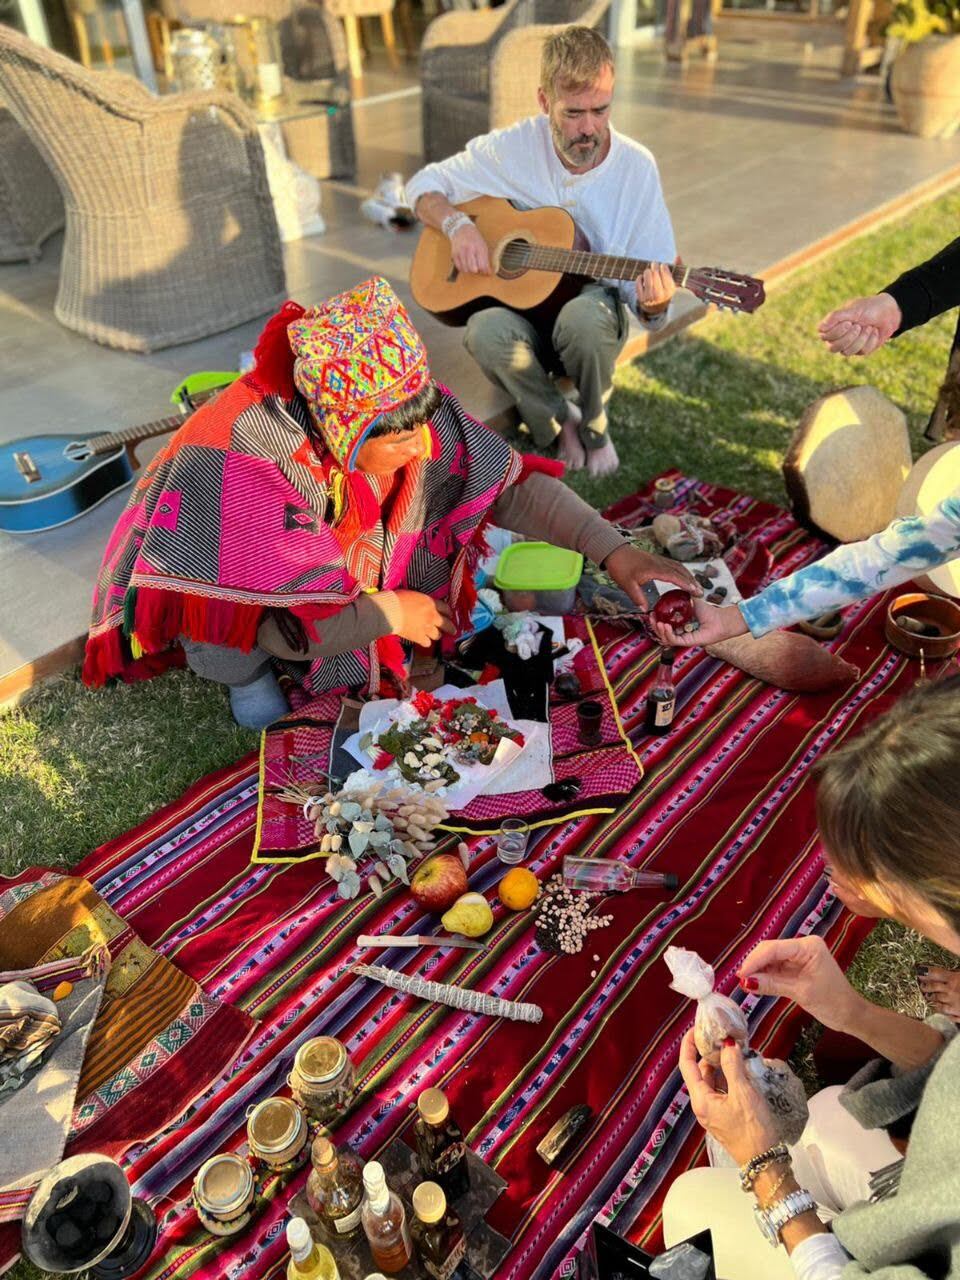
x=469, y=915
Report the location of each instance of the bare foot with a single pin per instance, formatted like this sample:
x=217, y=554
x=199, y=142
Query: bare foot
x=570, y=450
x=941, y=988
x=603, y=461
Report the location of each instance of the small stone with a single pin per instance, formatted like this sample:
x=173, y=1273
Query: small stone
x=596, y=957
x=593, y=973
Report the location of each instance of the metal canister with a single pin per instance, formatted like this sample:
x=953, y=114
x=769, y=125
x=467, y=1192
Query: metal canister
x=223, y=1192
x=277, y=1133
x=323, y=1079
x=196, y=59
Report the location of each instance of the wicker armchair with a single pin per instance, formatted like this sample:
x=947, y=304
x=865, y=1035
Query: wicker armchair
x=31, y=207
x=479, y=68
x=171, y=233
x=313, y=48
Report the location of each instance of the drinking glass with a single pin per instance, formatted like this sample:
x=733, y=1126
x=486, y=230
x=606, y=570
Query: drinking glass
x=512, y=840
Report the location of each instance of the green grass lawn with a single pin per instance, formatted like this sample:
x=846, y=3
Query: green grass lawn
x=78, y=767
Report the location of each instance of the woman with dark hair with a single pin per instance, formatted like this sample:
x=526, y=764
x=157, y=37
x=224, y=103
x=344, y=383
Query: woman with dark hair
x=873, y=1186
x=323, y=512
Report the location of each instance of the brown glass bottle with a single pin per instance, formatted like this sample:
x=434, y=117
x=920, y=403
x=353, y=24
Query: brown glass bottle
x=662, y=698
x=335, y=1189
x=437, y=1232
x=440, y=1145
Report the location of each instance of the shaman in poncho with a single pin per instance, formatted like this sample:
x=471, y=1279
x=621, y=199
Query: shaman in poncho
x=255, y=505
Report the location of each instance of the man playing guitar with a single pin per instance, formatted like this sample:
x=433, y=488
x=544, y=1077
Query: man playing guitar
x=569, y=155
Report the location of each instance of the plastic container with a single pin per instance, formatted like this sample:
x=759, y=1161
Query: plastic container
x=538, y=576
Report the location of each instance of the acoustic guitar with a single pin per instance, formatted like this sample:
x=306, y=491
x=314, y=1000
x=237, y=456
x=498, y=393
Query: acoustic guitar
x=49, y=480
x=529, y=250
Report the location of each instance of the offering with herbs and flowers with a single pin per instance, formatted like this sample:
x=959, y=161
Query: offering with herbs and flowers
x=431, y=737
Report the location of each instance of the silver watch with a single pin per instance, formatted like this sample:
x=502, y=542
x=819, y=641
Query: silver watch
x=775, y=1217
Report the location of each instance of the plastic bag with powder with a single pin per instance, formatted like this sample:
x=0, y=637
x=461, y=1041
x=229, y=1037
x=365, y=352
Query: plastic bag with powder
x=718, y=1017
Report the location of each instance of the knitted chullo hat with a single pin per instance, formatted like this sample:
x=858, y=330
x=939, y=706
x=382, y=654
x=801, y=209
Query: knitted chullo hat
x=357, y=356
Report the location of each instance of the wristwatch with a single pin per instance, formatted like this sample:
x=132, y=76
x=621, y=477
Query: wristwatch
x=775, y=1217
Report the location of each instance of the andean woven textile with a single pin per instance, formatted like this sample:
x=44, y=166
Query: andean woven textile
x=233, y=517
x=726, y=803
x=358, y=357
x=295, y=753
x=158, y=1039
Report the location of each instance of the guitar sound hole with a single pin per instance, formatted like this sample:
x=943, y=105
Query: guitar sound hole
x=77, y=451
x=514, y=259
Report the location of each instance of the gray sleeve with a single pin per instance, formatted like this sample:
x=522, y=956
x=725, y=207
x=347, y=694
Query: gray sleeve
x=878, y=1095
x=544, y=509
x=354, y=627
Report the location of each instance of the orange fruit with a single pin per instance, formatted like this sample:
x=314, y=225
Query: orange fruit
x=519, y=889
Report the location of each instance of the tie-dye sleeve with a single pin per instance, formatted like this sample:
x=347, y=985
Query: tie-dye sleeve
x=853, y=572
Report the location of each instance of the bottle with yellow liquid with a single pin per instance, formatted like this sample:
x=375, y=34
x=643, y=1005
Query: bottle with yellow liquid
x=308, y=1260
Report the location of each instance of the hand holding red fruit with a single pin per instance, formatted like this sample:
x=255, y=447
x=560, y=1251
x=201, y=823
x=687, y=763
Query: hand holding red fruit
x=631, y=569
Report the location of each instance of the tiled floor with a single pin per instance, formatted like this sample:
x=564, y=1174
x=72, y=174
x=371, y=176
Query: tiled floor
x=761, y=155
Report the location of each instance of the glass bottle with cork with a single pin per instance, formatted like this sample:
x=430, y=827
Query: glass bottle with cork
x=308, y=1260
x=437, y=1232
x=335, y=1189
x=440, y=1145
x=384, y=1221
x=662, y=697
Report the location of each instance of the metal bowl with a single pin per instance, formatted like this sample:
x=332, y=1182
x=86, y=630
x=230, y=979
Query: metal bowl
x=39, y=1245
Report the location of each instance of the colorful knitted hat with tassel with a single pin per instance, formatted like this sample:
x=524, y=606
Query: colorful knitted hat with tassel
x=357, y=356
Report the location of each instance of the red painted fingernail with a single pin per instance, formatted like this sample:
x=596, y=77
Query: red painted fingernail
x=750, y=984
x=729, y=1042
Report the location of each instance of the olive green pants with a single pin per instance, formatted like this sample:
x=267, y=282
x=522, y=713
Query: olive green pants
x=587, y=336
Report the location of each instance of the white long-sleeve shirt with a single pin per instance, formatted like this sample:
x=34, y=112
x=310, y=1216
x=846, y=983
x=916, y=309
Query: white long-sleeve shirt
x=820, y=1257
x=618, y=205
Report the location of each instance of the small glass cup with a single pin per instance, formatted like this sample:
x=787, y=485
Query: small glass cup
x=512, y=840
x=589, y=720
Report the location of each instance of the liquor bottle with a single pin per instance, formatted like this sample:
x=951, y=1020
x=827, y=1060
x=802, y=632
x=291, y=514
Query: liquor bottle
x=308, y=1261
x=384, y=1221
x=437, y=1232
x=606, y=875
x=335, y=1189
x=440, y=1145
x=662, y=698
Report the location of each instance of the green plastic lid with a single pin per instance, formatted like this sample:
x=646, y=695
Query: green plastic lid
x=537, y=566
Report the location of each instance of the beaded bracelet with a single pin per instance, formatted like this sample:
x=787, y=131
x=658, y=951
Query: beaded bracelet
x=749, y=1171
x=453, y=222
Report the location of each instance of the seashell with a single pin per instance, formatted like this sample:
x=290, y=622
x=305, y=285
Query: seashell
x=417, y=833
x=435, y=785
x=335, y=808
x=325, y=845
x=410, y=849
x=336, y=843
x=376, y=886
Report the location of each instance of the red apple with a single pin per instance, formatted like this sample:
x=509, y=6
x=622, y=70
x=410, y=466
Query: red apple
x=675, y=608
x=438, y=883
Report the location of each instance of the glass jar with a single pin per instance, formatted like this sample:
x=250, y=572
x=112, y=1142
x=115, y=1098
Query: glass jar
x=223, y=1192
x=196, y=59
x=323, y=1079
x=277, y=1133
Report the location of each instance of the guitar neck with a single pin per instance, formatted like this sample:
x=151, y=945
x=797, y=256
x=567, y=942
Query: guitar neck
x=113, y=440
x=597, y=266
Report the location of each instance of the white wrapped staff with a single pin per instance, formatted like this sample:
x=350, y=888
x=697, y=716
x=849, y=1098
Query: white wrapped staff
x=449, y=993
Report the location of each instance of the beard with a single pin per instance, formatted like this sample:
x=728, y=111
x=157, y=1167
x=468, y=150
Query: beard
x=579, y=151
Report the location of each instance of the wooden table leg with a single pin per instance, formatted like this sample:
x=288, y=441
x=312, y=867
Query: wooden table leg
x=855, y=37
x=390, y=39
x=351, y=26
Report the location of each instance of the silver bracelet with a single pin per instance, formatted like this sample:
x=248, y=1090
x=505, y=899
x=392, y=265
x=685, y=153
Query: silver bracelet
x=453, y=222
x=775, y=1217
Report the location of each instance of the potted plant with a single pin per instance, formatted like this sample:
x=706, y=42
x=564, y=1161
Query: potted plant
x=925, y=80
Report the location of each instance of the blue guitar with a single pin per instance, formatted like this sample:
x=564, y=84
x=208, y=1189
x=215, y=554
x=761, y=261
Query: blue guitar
x=49, y=480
